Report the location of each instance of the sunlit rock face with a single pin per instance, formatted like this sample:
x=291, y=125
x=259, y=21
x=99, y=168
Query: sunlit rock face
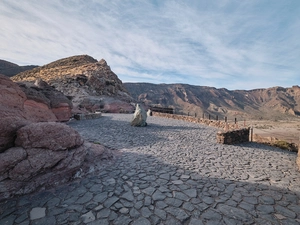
x=90, y=84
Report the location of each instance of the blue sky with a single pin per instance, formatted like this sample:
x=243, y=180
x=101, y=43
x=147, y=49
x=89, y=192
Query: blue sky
x=224, y=43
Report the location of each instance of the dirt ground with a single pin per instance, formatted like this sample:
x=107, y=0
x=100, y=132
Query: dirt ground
x=286, y=130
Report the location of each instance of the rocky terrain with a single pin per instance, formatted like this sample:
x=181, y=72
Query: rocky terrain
x=35, y=151
x=90, y=84
x=272, y=103
x=11, y=69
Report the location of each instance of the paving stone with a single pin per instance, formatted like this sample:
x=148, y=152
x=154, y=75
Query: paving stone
x=85, y=198
x=101, y=197
x=134, y=213
x=173, y=202
x=266, y=200
x=192, y=193
x=122, y=220
x=148, y=201
x=180, y=196
x=161, y=204
x=160, y=213
x=141, y=221
x=266, y=209
x=88, y=217
x=37, y=213
x=165, y=176
x=110, y=201
x=158, y=196
x=146, y=212
x=99, y=222
x=180, y=214
x=138, y=205
x=286, y=212
x=155, y=220
x=8, y=220
x=44, y=221
x=195, y=221
x=188, y=206
x=128, y=196
x=104, y=213
x=149, y=190
x=124, y=210
x=177, y=182
x=235, y=213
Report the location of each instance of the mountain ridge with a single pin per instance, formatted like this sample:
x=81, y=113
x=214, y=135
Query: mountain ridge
x=275, y=102
x=10, y=69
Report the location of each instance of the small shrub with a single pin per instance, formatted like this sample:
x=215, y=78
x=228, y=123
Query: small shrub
x=286, y=146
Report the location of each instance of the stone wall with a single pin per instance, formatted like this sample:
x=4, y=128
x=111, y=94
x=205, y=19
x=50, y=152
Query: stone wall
x=88, y=116
x=233, y=136
x=213, y=123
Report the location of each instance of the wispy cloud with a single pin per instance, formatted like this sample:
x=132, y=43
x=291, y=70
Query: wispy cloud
x=232, y=44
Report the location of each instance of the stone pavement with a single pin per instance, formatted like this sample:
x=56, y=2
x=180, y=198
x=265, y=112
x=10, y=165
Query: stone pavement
x=170, y=172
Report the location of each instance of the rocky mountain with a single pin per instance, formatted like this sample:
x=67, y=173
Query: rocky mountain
x=271, y=103
x=10, y=69
x=90, y=84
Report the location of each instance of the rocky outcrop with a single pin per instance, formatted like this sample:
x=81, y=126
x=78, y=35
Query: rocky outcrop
x=12, y=115
x=34, y=154
x=91, y=84
x=44, y=103
x=139, y=117
x=45, y=154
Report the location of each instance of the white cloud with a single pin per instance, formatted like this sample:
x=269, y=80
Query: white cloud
x=232, y=44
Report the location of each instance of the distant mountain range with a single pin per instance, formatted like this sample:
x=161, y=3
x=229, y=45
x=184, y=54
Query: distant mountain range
x=87, y=80
x=11, y=69
x=270, y=103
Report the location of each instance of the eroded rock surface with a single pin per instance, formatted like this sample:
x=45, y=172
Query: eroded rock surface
x=46, y=153
x=91, y=84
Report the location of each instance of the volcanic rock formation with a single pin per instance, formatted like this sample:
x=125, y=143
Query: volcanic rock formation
x=34, y=154
x=90, y=84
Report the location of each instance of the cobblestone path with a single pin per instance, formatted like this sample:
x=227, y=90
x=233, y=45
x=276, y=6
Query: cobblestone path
x=170, y=172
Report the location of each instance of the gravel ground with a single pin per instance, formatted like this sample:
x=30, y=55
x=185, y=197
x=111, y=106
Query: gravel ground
x=170, y=172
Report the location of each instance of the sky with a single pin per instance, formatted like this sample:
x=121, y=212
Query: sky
x=229, y=44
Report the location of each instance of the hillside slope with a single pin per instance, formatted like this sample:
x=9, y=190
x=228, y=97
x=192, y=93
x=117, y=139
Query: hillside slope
x=89, y=83
x=271, y=103
x=10, y=69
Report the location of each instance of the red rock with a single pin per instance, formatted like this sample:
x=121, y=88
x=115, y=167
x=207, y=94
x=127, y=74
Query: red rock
x=52, y=136
x=62, y=112
x=38, y=112
x=45, y=103
x=11, y=111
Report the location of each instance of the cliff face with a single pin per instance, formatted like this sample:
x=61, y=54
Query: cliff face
x=89, y=83
x=271, y=103
x=10, y=69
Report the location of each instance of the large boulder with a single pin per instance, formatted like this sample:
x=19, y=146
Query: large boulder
x=12, y=115
x=139, y=117
x=47, y=153
x=52, y=136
